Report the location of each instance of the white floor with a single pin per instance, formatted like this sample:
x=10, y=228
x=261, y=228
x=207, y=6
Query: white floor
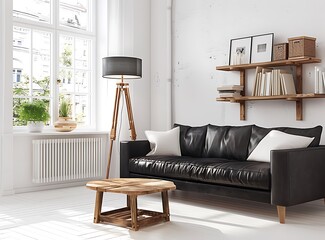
x=68, y=214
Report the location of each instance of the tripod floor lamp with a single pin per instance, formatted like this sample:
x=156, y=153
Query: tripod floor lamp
x=121, y=68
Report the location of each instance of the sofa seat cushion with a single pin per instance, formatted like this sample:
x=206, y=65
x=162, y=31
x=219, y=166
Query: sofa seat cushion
x=210, y=170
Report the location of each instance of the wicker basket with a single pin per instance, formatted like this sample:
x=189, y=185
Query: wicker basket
x=302, y=47
x=280, y=51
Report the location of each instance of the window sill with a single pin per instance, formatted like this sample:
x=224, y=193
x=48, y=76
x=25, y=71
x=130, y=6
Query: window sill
x=52, y=132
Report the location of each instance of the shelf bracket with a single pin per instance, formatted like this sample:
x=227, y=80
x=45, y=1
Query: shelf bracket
x=243, y=93
x=299, y=91
x=299, y=110
x=242, y=111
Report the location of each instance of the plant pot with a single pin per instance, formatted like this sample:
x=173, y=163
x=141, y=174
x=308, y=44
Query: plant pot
x=65, y=124
x=35, y=126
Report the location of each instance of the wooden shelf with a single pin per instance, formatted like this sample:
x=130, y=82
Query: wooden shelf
x=298, y=98
x=293, y=97
x=291, y=62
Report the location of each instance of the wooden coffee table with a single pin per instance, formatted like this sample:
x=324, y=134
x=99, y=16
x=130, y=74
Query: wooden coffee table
x=130, y=216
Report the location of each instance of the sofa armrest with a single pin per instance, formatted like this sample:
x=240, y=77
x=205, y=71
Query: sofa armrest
x=298, y=175
x=130, y=149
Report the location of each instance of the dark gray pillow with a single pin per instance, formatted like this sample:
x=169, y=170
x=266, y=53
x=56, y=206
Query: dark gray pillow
x=192, y=140
x=258, y=133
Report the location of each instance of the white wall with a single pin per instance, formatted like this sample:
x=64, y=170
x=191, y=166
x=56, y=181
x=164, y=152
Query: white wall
x=161, y=65
x=140, y=89
x=201, y=36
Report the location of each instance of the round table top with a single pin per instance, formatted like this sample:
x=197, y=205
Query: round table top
x=131, y=186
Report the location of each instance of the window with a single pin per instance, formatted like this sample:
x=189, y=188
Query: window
x=53, y=49
x=74, y=72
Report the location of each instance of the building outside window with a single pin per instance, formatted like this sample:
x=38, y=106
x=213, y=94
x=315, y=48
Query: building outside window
x=53, y=52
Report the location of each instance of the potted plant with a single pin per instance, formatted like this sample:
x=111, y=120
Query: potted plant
x=65, y=122
x=35, y=113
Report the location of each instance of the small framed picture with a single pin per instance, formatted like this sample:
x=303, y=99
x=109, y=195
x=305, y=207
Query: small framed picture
x=240, y=51
x=262, y=46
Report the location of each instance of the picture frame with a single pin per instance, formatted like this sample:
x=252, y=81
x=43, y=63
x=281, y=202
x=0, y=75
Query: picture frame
x=262, y=48
x=240, y=51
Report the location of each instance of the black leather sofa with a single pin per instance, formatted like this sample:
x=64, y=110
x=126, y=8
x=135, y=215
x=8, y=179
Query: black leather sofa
x=213, y=161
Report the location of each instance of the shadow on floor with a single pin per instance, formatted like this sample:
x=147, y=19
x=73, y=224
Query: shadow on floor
x=171, y=229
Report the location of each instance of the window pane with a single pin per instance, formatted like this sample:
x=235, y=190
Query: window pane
x=35, y=10
x=21, y=61
x=30, y=64
x=67, y=80
x=82, y=78
x=41, y=63
x=66, y=64
x=82, y=55
x=75, y=14
x=75, y=75
x=16, y=105
x=66, y=51
x=81, y=109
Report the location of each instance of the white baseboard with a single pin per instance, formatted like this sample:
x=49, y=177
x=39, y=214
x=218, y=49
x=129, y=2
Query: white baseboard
x=49, y=187
x=7, y=192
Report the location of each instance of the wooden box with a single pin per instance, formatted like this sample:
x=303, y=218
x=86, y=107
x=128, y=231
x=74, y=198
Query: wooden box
x=280, y=51
x=302, y=47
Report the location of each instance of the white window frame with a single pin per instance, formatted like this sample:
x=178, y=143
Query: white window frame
x=56, y=29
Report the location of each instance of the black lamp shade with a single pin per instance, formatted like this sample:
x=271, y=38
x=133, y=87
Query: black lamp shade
x=116, y=67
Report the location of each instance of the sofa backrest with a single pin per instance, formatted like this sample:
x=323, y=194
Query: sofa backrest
x=232, y=142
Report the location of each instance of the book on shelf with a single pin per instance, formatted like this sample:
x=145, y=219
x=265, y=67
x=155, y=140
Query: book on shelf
x=230, y=91
x=230, y=87
x=265, y=84
x=229, y=94
x=319, y=80
x=288, y=84
x=323, y=77
x=270, y=82
x=256, y=82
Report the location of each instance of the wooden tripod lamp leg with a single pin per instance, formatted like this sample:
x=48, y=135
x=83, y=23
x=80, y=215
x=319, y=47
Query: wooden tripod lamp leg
x=114, y=125
x=130, y=113
x=120, y=87
x=109, y=158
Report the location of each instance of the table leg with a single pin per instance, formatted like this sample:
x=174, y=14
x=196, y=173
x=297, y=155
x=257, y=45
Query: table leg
x=134, y=212
x=165, y=203
x=98, y=206
x=128, y=201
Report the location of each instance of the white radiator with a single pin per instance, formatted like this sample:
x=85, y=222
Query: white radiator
x=56, y=160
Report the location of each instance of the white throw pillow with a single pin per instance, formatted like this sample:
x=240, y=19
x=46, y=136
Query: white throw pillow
x=164, y=143
x=276, y=140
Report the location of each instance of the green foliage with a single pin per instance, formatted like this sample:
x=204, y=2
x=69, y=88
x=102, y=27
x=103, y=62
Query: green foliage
x=22, y=89
x=17, y=102
x=65, y=108
x=44, y=84
x=66, y=56
x=34, y=111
